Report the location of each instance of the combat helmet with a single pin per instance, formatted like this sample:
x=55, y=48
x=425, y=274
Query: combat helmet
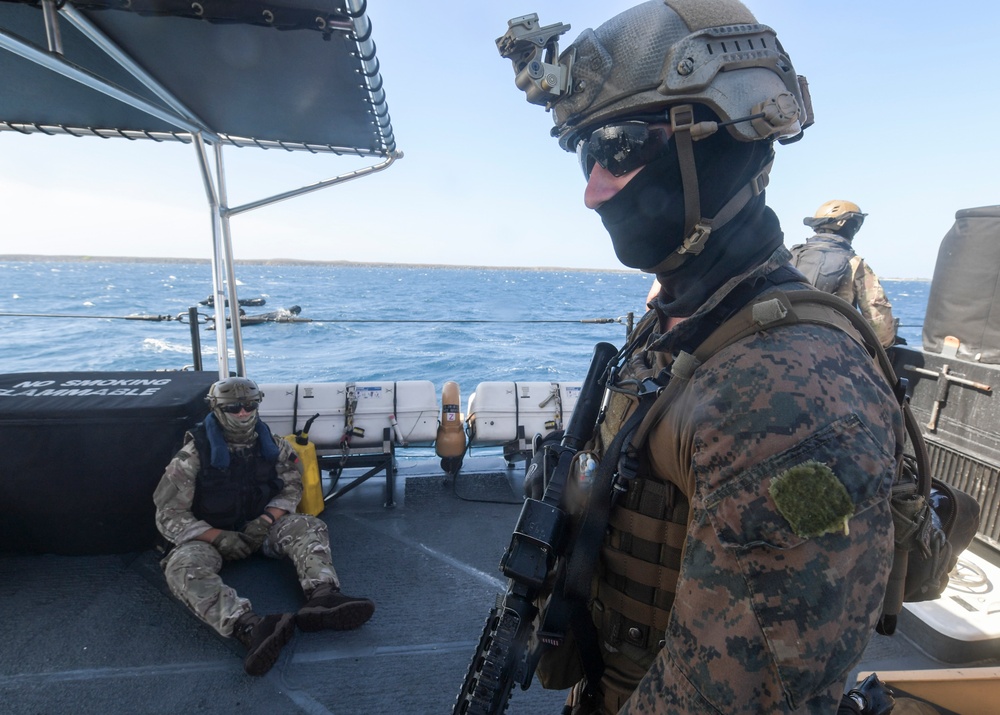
x=235, y=391
x=663, y=58
x=837, y=216
x=232, y=390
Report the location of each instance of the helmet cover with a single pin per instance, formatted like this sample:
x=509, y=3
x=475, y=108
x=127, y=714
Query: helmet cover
x=240, y=429
x=669, y=52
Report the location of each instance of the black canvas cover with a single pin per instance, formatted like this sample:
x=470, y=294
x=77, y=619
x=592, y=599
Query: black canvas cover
x=287, y=71
x=964, y=300
x=82, y=453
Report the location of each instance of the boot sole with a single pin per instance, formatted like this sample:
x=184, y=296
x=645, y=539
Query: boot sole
x=266, y=655
x=345, y=617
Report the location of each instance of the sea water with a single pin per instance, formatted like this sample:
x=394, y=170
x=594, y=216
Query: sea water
x=369, y=322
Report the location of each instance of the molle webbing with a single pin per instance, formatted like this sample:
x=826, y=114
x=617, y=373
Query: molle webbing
x=643, y=572
x=648, y=528
x=640, y=560
x=630, y=608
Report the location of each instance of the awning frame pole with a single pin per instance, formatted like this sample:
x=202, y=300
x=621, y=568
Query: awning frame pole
x=78, y=20
x=218, y=251
x=358, y=173
x=60, y=66
x=180, y=116
x=227, y=245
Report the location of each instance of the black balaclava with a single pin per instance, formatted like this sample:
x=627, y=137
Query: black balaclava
x=646, y=219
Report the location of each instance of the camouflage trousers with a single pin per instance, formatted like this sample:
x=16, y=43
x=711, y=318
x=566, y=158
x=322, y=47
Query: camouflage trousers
x=192, y=569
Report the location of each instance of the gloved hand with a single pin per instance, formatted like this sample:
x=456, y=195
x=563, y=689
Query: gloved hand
x=543, y=463
x=256, y=531
x=232, y=545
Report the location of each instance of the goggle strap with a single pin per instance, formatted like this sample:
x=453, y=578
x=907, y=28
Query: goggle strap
x=681, y=121
x=696, y=239
x=754, y=187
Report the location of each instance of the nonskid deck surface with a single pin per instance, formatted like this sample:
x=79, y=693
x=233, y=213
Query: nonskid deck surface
x=100, y=634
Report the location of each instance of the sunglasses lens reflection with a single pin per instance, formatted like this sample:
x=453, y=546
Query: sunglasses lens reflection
x=236, y=407
x=620, y=148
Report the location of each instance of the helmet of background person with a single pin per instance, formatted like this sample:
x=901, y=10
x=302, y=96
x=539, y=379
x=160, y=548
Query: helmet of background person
x=837, y=216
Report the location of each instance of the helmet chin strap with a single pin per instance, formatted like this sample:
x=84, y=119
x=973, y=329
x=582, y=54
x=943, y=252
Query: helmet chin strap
x=697, y=229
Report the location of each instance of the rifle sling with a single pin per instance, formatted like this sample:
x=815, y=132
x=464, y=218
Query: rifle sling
x=580, y=563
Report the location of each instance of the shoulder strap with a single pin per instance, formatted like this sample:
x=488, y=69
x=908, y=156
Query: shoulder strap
x=787, y=308
x=874, y=346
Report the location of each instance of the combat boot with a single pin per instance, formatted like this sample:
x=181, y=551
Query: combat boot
x=264, y=638
x=327, y=608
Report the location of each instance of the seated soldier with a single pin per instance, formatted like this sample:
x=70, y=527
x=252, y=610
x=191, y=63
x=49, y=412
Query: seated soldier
x=231, y=491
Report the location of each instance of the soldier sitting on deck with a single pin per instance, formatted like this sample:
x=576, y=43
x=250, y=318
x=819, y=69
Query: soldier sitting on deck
x=230, y=491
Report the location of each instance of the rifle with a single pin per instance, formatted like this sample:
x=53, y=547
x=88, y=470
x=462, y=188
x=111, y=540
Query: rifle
x=509, y=648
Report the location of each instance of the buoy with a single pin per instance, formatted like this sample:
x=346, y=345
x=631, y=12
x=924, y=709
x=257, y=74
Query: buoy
x=312, y=486
x=450, y=442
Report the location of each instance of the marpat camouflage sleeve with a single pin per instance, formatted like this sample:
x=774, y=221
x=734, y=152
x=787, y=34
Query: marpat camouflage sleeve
x=785, y=444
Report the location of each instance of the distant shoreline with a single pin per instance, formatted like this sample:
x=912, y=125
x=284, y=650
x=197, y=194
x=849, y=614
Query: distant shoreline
x=299, y=262
x=295, y=262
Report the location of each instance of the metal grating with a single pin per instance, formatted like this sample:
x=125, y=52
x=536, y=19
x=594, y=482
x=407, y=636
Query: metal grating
x=975, y=477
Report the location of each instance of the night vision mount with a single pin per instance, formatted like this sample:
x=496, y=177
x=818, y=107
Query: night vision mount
x=534, y=52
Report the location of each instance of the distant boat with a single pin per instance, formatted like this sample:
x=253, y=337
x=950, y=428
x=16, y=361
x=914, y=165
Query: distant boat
x=281, y=315
x=248, y=302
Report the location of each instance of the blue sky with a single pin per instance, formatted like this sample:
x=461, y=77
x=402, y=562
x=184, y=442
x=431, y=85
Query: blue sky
x=906, y=100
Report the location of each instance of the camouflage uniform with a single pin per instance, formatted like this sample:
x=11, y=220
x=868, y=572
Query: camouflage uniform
x=192, y=566
x=707, y=599
x=858, y=284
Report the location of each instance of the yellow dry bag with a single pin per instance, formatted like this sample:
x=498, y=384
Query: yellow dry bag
x=312, y=487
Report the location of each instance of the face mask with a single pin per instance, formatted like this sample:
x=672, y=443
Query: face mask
x=239, y=429
x=646, y=218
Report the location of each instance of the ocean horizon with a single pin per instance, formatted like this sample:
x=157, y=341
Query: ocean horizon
x=300, y=261
x=355, y=322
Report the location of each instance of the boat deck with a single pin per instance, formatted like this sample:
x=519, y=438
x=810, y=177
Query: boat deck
x=100, y=634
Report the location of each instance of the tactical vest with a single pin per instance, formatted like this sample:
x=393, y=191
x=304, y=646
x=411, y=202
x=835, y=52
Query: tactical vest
x=229, y=498
x=643, y=546
x=825, y=260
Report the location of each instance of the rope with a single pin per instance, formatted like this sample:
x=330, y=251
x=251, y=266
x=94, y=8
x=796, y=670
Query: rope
x=182, y=317
x=155, y=318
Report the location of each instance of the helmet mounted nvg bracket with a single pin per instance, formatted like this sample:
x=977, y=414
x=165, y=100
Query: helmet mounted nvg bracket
x=534, y=52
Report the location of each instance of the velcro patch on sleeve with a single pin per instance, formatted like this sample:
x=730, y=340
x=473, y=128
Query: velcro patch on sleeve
x=812, y=499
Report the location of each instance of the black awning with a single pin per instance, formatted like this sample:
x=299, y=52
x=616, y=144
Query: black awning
x=300, y=74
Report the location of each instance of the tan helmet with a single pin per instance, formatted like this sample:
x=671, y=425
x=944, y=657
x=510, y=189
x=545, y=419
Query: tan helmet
x=231, y=390
x=836, y=215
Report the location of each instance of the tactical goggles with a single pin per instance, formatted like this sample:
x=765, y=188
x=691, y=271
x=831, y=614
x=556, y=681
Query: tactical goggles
x=236, y=407
x=621, y=147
